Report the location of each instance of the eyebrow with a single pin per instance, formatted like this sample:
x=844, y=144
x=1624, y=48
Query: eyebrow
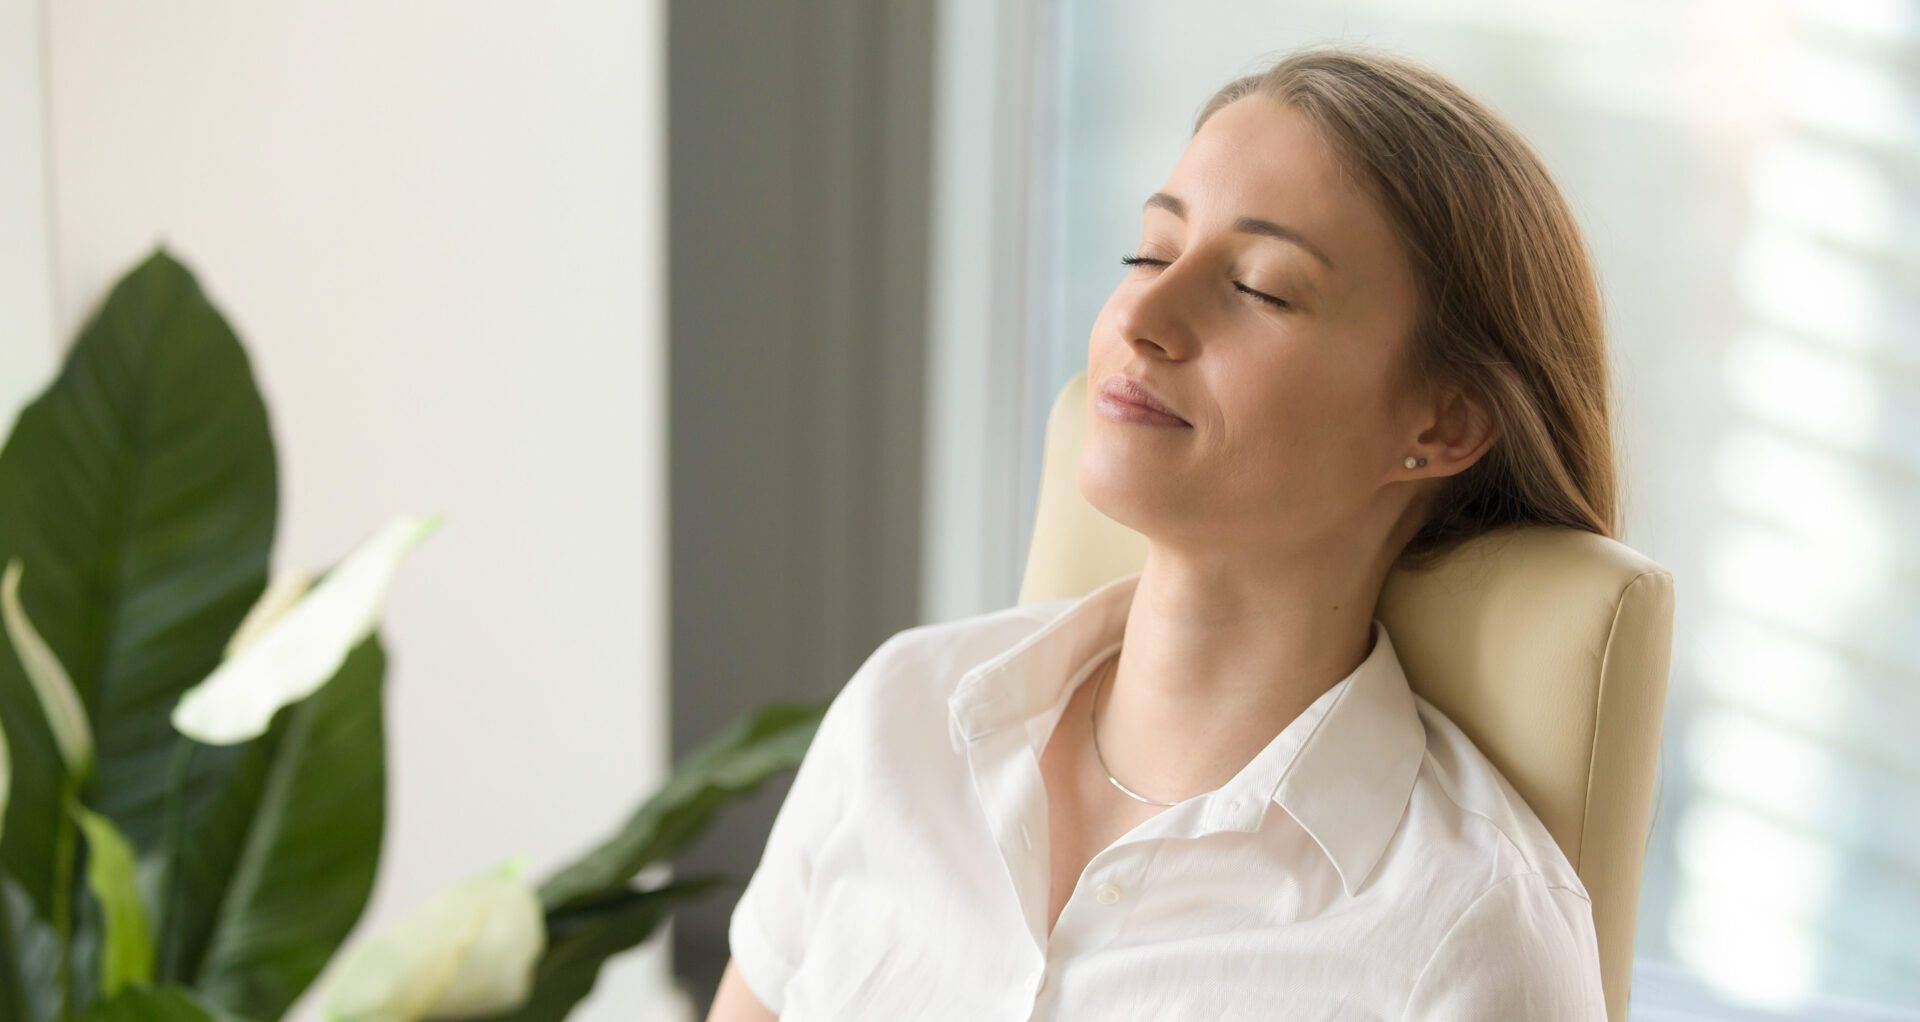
x=1246, y=225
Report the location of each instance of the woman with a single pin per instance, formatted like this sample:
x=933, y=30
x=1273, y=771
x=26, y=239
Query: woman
x=1360, y=325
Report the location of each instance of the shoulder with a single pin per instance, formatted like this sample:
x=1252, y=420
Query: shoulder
x=964, y=642
x=1478, y=812
x=1521, y=948
x=1513, y=934
x=898, y=696
x=1520, y=940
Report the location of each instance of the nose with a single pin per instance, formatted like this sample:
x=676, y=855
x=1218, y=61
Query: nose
x=1157, y=311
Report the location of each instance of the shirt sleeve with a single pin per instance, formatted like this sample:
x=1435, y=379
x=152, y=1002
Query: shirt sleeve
x=766, y=933
x=1522, y=949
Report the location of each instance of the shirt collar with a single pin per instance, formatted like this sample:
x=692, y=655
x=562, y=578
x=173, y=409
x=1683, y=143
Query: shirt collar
x=1344, y=768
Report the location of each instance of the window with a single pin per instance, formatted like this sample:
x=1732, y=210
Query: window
x=1748, y=175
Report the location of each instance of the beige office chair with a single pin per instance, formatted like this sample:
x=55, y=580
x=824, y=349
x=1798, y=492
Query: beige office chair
x=1548, y=646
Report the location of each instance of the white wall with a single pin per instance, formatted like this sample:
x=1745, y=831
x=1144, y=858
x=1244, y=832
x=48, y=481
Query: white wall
x=27, y=351
x=437, y=228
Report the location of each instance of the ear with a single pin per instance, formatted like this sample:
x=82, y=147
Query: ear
x=1461, y=430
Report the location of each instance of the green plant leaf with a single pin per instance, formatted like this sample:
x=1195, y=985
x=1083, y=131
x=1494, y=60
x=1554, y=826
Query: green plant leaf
x=128, y=953
x=138, y=491
x=145, y=1003
x=280, y=866
x=580, y=939
x=728, y=767
x=29, y=958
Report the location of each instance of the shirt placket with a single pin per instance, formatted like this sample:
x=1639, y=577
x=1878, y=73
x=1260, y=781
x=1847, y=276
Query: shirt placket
x=1007, y=778
x=1097, y=910
x=1110, y=887
x=1010, y=796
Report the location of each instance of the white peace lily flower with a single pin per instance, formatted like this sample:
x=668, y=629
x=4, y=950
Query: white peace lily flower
x=6, y=778
x=66, y=714
x=470, y=951
x=282, y=592
x=300, y=647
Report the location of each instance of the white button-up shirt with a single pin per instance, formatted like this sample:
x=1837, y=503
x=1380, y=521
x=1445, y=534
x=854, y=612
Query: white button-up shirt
x=1368, y=863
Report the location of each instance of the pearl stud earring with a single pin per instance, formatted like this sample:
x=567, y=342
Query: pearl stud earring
x=1413, y=462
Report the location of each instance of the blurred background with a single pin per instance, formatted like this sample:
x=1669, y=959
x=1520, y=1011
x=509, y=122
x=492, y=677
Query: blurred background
x=723, y=335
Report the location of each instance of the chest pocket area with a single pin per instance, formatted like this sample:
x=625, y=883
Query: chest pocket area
x=861, y=957
x=847, y=973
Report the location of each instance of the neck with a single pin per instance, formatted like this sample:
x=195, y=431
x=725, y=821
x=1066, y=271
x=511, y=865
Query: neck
x=1215, y=663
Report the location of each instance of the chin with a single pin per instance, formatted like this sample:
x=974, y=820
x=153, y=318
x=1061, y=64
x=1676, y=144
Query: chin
x=1132, y=490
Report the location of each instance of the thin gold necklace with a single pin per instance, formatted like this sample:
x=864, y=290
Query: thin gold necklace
x=1095, y=716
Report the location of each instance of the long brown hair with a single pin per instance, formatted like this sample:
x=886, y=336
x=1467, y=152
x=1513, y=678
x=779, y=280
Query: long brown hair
x=1510, y=309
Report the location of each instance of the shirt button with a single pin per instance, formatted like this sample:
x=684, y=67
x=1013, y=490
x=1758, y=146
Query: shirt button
x=1107, y=893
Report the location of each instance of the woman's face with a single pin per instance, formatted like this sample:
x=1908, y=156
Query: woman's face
x=1297, y=417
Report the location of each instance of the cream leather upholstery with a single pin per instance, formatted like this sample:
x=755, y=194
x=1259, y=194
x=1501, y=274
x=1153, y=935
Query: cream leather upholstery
x=1548, y=646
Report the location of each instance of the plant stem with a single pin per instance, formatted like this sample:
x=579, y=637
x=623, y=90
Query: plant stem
x=176, y=828
x=63, y=851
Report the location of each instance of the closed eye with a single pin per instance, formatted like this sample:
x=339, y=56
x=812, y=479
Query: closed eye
x=1132, y=260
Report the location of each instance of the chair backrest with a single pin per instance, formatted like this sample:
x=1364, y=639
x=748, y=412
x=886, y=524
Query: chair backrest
x=1548, y=646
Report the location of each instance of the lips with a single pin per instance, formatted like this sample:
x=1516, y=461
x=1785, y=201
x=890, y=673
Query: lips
x=1131, y=391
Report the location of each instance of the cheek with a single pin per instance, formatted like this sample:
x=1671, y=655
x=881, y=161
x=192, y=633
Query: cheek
x=1285, y=395
x=1103, y=346
x=1302, y=417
